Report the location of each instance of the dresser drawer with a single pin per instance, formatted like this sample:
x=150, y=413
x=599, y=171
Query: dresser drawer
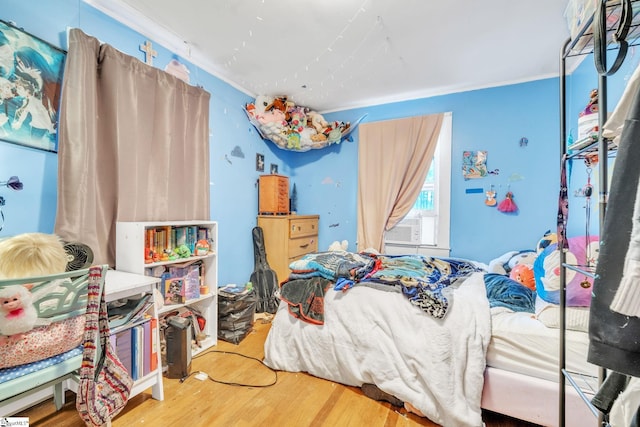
x=288, y=238
x=300, y=227
x=302, y=246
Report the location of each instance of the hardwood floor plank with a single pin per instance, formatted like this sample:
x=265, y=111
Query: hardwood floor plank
x=297, y=399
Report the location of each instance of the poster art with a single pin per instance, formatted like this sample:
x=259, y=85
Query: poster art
x=30, y=83
x=474, y=164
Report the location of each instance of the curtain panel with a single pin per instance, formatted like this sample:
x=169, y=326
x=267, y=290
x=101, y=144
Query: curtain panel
x=394, y=157
x=134, y=146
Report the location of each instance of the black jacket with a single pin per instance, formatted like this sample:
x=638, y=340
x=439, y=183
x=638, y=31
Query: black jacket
x=614, y=338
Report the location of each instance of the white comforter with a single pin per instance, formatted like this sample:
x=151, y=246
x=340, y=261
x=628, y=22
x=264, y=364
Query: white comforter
x=373, y=336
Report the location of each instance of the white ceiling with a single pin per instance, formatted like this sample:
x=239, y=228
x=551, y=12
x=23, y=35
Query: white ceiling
x=336, y=54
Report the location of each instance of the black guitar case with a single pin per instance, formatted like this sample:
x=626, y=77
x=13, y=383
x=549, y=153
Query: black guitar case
x=264, y=279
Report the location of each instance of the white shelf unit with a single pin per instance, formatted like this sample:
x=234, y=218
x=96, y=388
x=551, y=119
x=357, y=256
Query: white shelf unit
x=130, y=257
x=120, y=285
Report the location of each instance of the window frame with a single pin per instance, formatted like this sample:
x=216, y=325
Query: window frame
x=442, y=202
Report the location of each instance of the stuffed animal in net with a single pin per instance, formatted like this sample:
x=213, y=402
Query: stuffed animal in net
x=25, y=255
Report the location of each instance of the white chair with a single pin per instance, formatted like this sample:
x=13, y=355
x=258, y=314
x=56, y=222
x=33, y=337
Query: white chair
x=25, y=385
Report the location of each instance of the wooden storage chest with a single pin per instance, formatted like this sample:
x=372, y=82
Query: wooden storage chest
x=273, y=195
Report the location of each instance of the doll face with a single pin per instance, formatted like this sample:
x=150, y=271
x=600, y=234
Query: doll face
x=11, y=303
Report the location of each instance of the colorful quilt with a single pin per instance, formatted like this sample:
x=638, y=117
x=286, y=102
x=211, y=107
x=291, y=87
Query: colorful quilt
x=421, y=279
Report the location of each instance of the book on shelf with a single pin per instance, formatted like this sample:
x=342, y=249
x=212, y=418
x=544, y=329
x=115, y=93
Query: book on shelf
x=137, y=348
x=165, y=239
x=174, y=290
x=191, y=288
x=136, y=351
x=123, y=349
x=124, y=313
x=153, y=344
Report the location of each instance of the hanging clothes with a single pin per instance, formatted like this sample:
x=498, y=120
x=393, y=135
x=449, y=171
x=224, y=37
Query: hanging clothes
x=614, y=338
x=627, y=298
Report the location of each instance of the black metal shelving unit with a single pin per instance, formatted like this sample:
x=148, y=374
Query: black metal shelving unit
x=583, y=44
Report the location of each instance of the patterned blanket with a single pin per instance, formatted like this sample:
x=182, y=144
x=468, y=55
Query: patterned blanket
x=420, y=278
x=505, y=292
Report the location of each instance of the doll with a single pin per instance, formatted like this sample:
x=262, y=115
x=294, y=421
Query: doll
x=17, y=313
x=25, y=255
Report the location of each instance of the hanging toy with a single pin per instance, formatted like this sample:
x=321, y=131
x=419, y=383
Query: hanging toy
x=491, y=197
x=508, y=205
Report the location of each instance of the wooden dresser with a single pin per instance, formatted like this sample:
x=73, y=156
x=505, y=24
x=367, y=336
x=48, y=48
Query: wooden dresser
x=287, y=238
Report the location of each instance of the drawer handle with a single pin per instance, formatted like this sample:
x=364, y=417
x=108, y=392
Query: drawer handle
x=304, y=246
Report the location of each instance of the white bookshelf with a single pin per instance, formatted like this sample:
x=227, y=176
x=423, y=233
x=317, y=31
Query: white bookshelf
x=118, y=285
x=130, y=257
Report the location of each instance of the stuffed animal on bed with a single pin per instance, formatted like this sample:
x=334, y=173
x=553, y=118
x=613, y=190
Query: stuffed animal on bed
x=339, y=246
x=25, y=255
x=523, y=274
x=583, y=251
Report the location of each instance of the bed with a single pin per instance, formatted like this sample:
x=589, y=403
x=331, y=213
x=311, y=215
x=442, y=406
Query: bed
x=346, y=320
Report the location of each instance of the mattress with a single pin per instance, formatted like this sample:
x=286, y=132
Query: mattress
x=521, y=343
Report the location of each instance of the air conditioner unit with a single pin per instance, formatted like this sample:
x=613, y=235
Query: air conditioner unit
x=408, y=231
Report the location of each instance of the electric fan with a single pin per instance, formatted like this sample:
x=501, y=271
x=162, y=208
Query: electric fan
x=79, y=255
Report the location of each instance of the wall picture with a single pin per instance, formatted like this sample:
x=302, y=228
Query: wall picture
x=260, y=162
x=30, y=84
x=274, y=168
x=474, y=164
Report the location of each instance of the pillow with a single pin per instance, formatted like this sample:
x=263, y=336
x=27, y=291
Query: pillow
x=576, y=318
x=547, y=272
x=42, y=342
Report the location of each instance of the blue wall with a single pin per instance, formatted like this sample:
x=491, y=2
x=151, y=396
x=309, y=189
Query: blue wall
x=326, y=180
x=490, y=119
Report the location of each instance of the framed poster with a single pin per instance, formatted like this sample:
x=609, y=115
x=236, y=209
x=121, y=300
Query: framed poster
x=30, y=85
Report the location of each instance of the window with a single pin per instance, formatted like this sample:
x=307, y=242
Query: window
x=426, y=227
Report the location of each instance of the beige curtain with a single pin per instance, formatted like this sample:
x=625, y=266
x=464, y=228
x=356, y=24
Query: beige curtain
x=134, y=146
x=393, y=160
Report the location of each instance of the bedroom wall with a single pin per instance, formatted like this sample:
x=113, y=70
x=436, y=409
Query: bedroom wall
x=233, y=142
x=491, y=119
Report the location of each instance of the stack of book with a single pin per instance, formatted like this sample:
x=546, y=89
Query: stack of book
x=165, y=239
x=134, y=335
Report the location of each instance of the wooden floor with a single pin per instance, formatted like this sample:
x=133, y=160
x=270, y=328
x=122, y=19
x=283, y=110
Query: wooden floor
x=295, y=400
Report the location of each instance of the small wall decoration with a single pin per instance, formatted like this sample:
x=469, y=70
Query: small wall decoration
x=237, y=152
x=178, y=69
x=491, y=197
x=474, y=164
x=274, y=168
x=149, y=52
x=508, y=205
x=260, y=162
x=30, y=83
